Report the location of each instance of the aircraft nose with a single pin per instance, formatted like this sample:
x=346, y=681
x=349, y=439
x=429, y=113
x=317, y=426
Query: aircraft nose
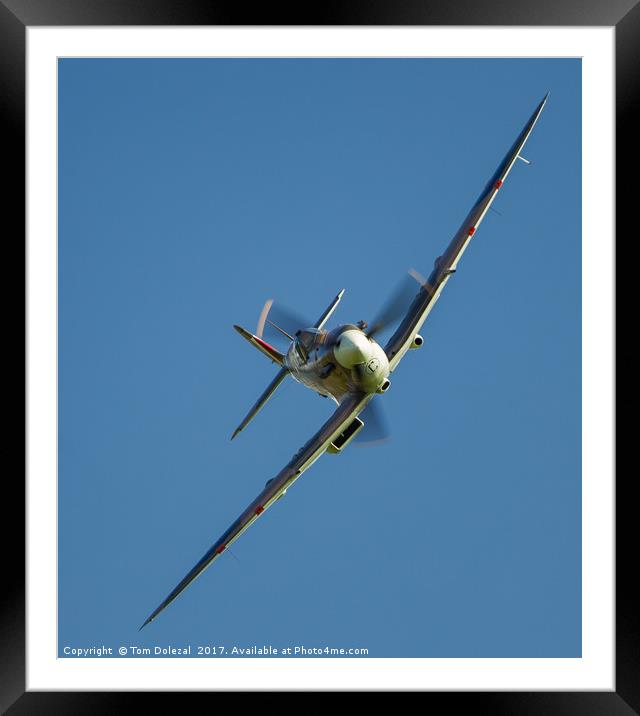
x=352, y=348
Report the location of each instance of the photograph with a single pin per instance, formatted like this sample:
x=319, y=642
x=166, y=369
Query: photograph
x=319, y=358
x=320, y=355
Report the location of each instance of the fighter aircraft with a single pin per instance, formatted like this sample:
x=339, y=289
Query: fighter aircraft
x=347, y=364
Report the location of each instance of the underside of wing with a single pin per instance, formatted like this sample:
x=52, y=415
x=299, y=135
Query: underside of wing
x=338, y=423
x=445, y=265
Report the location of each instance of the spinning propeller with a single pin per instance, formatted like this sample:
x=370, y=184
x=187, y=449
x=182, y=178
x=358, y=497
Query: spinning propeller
x=278, y=324
x=396, y=305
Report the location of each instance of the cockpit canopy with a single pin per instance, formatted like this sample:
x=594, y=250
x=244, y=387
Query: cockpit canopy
x=307, y=341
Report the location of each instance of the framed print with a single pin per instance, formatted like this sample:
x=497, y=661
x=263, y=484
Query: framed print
x=180, y=175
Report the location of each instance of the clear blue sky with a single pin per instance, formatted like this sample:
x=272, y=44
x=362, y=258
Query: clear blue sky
x=190, y=191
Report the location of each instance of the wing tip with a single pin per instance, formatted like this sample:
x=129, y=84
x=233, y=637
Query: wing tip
x=147, y=621
x=544, y=101
x=235, y=432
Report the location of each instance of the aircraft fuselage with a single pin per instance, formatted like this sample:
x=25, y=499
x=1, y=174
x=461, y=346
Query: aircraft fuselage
x=338, y=362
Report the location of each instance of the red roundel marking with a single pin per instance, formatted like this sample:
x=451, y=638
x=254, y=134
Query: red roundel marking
x=221, y=549
x=498, y=183
x=472, y=231
x=259, y=509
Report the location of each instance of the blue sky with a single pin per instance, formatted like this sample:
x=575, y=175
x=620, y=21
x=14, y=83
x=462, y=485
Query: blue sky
x=190, y=191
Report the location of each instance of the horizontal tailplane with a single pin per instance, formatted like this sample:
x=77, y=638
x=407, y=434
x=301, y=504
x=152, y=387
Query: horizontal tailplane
x=329, y=311
x=280, y=376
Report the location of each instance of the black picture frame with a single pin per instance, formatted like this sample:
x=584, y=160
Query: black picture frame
x=17, y=15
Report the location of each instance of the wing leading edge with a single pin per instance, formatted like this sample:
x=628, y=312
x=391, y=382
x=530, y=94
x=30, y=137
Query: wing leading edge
x=275, y=488
x=446, y=264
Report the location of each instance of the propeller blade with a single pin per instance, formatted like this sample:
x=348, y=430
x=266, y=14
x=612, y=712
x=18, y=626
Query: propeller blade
x=278, y=322
x=375, y=429
x=397, y=304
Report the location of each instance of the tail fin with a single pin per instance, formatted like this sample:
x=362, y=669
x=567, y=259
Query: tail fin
x=280, y=376
x=262, y=346
x=274, y=355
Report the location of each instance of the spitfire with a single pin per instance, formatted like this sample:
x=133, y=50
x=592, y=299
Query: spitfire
x=347, y=364
x=338, y=362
